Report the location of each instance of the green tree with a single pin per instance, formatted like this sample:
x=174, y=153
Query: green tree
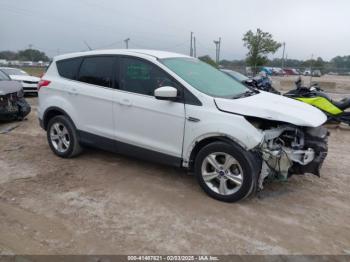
x=259, y=45
x=24, y=55
x=32, y=55
x=318, y=63
x=208, y=60
x=8, y=55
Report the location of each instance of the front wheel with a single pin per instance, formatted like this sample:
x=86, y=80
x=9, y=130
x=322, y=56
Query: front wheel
x=225, y=171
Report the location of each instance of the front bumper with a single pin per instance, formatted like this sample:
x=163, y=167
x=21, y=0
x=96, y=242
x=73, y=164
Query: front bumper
x=18, y=110
x=30, y=88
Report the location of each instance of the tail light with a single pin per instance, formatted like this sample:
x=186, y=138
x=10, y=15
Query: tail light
x=43, y=83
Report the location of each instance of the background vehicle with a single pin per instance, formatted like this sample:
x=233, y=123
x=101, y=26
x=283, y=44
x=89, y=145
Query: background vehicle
x=236, y=75
x=178, y=110
x=267, y=70
x=314, y=95
x=277, y=71
x=290, y=71
x=12, y=103
x=260, y=82
x=29, y=83
x=307, y=72
x=316, y=73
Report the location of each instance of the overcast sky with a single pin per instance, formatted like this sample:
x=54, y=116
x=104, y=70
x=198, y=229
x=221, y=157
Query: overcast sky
x=318, y=27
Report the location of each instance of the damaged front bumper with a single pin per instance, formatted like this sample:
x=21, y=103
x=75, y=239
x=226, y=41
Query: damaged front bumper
x=13, y=108
x=288, y=150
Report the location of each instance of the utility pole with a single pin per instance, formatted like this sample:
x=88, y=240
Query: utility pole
x=312, y=58
x=284, y=48
x=219, y=49
x=194, y=47
x=191, y=47
x=127, y=43
x=217, y=43
x=30, y=52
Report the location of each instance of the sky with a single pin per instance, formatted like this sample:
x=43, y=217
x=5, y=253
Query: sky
x=308, y=27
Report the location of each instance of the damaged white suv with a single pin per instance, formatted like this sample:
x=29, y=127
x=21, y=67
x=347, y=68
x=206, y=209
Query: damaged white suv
x=177, y=110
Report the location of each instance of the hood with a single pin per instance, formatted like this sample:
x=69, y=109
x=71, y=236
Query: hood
x=274, y=107
x=7, y=87
x=25, y=78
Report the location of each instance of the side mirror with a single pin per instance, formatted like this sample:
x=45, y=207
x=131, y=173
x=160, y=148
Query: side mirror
x=166, y=93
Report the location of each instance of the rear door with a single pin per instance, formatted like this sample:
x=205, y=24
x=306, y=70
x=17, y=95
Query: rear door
x=92, y=95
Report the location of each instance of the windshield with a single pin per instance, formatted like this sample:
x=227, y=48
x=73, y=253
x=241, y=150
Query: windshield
x=204, y=77
x=3, y=76
x=236, y=75
x=14, y=71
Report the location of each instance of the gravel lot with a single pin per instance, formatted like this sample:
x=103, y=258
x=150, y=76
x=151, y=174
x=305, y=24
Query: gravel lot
x=101, y=203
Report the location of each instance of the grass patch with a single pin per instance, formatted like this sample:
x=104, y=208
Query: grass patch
x=34, y=71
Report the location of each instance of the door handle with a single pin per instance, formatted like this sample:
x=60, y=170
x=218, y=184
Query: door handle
x=73, y=91
x=125, y=102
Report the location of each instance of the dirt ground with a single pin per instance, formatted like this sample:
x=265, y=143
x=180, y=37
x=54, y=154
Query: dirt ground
x=330, y=83
x=102, y=203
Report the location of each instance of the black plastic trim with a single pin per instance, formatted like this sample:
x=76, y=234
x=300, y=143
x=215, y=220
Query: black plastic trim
x=54, y=108
x=41, y=123
x=122, y=148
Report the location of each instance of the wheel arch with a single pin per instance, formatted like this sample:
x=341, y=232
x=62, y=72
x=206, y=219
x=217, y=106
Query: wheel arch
x=203, y=141
x=52, y=112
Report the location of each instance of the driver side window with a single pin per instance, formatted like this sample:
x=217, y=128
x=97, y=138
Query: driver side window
x=141, y=77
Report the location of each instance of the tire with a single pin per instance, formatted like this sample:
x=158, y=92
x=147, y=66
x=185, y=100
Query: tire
x=62, y=137
x=230, y=183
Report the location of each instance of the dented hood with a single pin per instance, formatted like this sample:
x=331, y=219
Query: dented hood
x=25, y=78
x=274, y=107
x=8, y=87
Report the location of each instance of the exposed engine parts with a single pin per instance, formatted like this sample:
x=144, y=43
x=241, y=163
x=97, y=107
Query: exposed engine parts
x=288, y=150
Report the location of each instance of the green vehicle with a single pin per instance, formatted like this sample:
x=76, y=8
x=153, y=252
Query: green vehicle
x=315, y=96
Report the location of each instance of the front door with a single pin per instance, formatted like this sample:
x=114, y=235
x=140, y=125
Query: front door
x=141, y=119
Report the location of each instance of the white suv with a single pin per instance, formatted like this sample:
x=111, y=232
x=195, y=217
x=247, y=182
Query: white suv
x=177, y=110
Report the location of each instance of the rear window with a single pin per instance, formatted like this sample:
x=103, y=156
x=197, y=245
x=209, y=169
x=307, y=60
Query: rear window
x=97, y=70
x=69, y=68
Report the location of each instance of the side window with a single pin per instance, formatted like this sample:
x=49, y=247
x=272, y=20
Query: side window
x=69, y=68
x=142, y=77
x=97, y=70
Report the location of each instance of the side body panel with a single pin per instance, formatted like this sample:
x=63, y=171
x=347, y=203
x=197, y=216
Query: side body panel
x=210, y=122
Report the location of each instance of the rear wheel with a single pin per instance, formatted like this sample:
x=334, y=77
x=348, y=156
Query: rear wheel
x=225, y=171
x=62, y=137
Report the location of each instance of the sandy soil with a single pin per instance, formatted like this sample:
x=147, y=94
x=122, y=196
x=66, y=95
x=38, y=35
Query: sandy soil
x=331, y=83
x=100, y=203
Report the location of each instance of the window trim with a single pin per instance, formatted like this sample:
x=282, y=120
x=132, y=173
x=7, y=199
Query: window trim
x=185, y=93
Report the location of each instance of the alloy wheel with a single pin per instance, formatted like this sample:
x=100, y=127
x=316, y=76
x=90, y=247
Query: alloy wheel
x=222, y=173
x=59, y=137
